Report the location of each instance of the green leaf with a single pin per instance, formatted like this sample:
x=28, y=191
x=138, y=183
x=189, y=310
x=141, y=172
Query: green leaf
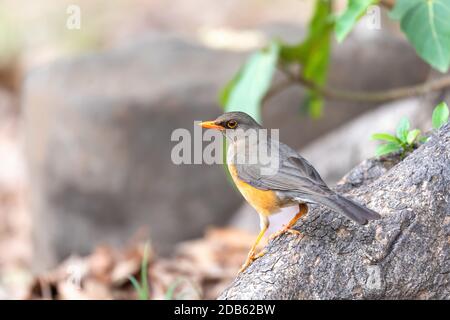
x=142, y=288
x=224, y=94
x=313, y=53
x=247, y=89
x=170, y=293
x=401, y=7
x=387, y=148
x=312, y=105
x=144, y=275
x=291, y=53
x=403, y=129
x=136, y=285
x=385, y=137
x=346, y=21
x=412, y=136
x=426, y=23
x=440, y=115
x=318, y=37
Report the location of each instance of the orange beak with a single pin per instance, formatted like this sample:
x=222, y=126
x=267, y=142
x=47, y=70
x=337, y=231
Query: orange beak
x=211, y=125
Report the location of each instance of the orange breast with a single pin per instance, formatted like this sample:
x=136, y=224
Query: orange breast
x=265, y=202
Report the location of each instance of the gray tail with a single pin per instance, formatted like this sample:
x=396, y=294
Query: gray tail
x=351, y=209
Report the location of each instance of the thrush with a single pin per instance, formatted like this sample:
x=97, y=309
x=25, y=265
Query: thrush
x=286, y=180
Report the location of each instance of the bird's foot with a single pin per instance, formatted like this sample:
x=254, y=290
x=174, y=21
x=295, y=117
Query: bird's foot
x=286, y=229
x=252, y=256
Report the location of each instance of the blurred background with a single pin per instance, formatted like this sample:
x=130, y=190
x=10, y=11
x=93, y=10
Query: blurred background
x=86, y=117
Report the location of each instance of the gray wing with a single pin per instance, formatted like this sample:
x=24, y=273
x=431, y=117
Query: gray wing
x=297, y=179
x=295, y=175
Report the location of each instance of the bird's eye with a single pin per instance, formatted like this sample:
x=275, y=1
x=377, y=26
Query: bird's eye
x=231, y=124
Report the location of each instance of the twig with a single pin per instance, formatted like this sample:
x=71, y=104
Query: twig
x=388, y=4
x=278, y=87
x=376, y=96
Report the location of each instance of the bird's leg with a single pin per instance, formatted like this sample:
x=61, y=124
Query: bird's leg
x=252, y=256
x=303, y=209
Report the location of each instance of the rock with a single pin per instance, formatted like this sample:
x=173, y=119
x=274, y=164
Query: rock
x=404, y=255
x=99, y=146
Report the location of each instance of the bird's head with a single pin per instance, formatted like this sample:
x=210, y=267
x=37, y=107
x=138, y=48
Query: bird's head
x=232, y=121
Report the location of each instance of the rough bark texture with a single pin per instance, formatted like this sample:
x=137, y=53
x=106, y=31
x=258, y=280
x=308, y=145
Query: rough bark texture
x=405, y=255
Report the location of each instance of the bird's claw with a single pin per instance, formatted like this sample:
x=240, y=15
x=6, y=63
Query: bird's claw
x=252, y=256
x=284, y=230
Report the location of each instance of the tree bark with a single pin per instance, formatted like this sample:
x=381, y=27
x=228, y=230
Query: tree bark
x=405, y=255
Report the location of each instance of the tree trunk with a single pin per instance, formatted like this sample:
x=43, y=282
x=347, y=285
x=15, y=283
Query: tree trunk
x=405, y=255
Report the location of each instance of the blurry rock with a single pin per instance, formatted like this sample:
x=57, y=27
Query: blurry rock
x=99, y=146
x=15, y=241
x=12, y=172
x=351, y=143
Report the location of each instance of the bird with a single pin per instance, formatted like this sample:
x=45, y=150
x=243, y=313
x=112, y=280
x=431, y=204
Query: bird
x=292, y=181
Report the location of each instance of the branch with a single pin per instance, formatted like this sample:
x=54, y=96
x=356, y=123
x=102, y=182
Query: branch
x=388, y=4
x=376, y=96
x=404, y=255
